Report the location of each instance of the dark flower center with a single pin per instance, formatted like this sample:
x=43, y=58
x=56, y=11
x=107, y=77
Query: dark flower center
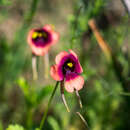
x=41, y=37
x=69, y=66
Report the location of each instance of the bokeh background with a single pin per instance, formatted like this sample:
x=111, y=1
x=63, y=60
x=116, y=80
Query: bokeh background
x=106, y=93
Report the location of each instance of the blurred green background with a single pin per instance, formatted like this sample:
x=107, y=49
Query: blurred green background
x=106, y=93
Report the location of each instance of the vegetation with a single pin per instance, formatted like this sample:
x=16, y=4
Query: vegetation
x=85, y=26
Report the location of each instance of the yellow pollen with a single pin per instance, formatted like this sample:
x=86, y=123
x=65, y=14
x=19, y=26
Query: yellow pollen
x=35, y=35
x=70, y=64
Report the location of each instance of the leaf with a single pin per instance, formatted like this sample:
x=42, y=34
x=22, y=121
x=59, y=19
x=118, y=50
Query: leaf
x=37, y=129
x=54, y=124
x=46, y=90
x=5, y=2
x=15, y=127
x=24, y=86
x=1, y=126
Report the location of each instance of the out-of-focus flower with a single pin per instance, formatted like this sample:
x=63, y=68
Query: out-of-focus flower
x=41, y=39
x=68, y=69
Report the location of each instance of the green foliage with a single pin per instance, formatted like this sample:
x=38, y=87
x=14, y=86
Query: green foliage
x=15, y=127
x=84, y=11
x=1, y=126
x=5, y=2
x=106, y=103
x=33, y=95
x=54, y=124
x=23, y=101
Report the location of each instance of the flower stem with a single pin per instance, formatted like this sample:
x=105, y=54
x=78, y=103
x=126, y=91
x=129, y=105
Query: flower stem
x=83, y=120
x=46, y=111
x=46, y=63
x=29, y=118
x=79, y=99
x=34, y=67
x=63, y=96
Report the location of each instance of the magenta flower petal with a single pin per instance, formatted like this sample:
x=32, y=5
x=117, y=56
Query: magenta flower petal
x=73, y=53
x=48, y=27
x=74, y=82
x=79, y=82
x=40, y=51
x=54, y=35
x=68, y=86
x=65, y=58
x=55, y=74
x=68, y=67
x=60, y=56
x=79, y=69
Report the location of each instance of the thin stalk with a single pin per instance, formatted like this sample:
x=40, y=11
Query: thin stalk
x=103, y=45
x=49, y=103
x=83, y=120
x=79, y=99
x=29, y=118
x=63, y=96
x=46, y=64
x=34, y=67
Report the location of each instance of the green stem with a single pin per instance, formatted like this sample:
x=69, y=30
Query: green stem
x=46, y=111
x=83, y=120
x=29, y=118
x=30, y=14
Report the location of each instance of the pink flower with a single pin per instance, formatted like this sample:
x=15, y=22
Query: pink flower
x=41, y=39
x=68, y=69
